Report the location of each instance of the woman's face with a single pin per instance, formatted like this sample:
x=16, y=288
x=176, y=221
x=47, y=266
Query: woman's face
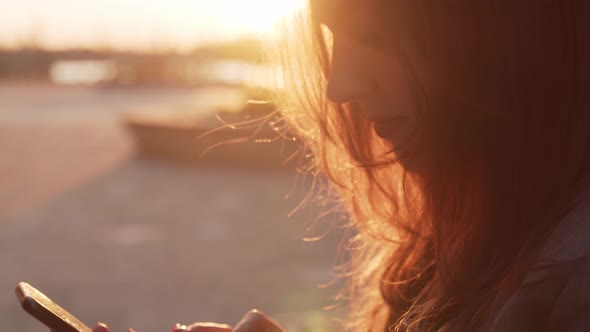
x=367, y=71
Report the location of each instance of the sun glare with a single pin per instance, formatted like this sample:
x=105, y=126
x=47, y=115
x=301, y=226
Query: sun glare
x=139, y=24
x=258, y=16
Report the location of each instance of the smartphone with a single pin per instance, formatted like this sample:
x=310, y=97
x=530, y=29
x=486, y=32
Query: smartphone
x=46, y=311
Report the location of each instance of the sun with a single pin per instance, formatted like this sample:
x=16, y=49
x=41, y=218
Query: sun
x=256, y=16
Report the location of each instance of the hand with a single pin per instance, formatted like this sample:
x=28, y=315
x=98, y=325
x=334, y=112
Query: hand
x=253, y=321
x=100, y=327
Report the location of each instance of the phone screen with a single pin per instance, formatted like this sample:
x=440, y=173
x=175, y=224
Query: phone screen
x=46, y=311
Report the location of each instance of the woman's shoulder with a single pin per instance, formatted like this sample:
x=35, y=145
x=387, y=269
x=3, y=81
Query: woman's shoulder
x=571, y=309
x=555, y=298
x=555, y=295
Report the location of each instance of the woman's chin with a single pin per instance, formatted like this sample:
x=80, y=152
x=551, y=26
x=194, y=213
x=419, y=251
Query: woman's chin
x=412, y=161
x=396, y=131
x=405, y=151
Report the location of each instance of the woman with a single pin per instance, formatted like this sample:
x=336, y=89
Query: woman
x=457, y=135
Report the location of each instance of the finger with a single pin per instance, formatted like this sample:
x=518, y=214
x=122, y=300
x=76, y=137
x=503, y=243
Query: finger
x=209, y=327
x=179, y=328
x=256, y=321
x=100, y=327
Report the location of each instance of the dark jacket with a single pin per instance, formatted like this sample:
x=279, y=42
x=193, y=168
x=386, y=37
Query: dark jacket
x=555, y=296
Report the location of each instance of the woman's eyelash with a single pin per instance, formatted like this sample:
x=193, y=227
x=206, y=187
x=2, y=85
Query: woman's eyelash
x=368, y=36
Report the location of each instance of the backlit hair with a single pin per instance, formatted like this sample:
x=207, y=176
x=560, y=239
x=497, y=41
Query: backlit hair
x=506, y=138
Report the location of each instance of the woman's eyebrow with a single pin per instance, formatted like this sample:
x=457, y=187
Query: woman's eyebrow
x=323, y=10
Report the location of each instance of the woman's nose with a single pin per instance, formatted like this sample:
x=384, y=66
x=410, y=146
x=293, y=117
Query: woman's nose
x=349, y=80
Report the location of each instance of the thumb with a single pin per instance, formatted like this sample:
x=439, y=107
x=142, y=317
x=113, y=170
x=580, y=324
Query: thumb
x=100, y=327
x=256, y=321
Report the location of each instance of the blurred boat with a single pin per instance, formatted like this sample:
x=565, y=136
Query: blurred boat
x=251, y=137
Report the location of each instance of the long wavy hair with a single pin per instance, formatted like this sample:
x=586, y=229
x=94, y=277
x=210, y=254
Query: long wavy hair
x=504, y=144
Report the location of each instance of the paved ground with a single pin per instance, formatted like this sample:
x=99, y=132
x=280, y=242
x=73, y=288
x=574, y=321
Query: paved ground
x=142, y=243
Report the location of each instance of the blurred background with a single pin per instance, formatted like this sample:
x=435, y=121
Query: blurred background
x=125, y=195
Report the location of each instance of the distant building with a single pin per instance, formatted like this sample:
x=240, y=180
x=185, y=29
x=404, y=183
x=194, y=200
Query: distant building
x=219, y=64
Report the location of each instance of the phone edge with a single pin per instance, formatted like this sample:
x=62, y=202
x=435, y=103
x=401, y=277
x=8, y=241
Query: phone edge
x=30, y=305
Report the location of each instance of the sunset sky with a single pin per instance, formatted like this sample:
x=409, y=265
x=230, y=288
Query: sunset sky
x=137, y=24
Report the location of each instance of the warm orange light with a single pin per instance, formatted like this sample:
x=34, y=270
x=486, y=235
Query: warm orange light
x=258, y=16
x=139, y=24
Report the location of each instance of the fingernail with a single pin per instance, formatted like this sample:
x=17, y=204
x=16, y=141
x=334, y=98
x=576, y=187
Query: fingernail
x=253, y=313
x=101, y=327
x=254, y=320
x=179, y=328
